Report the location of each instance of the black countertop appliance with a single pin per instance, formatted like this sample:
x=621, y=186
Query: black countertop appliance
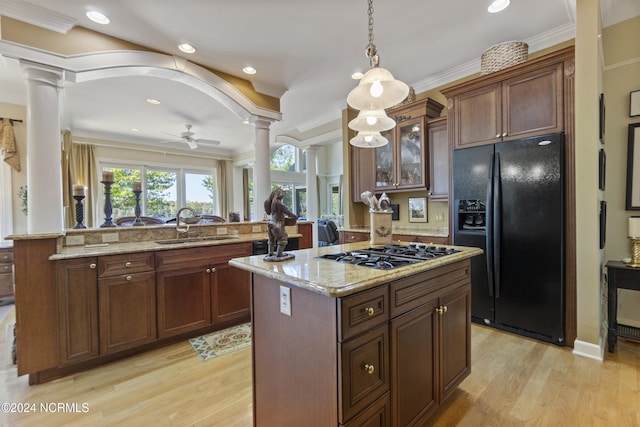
x=509, y=201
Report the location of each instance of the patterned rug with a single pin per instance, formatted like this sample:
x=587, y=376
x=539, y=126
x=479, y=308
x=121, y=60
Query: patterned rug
x=222, y=342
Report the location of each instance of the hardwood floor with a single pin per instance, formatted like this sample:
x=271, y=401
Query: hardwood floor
x=523, y=383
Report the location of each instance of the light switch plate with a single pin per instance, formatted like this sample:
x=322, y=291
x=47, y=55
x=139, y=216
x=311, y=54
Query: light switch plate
x=221, y=230
x=256, y=229
x=285, y=300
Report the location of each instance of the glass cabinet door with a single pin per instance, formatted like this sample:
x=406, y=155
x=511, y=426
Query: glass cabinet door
x=385, y=161
x=411, y=153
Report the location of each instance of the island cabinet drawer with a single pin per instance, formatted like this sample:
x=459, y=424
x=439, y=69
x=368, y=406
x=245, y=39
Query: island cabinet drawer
x=364, y=371
x=411, y=292
x=115, y=265
x=6, y=255
x=6, y=268
x=360, y=312
x=376, y=415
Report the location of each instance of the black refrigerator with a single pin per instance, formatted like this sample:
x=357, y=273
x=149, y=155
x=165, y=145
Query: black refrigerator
x=509, y=201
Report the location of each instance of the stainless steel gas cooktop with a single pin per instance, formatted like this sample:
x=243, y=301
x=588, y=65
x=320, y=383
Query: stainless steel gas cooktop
x=391, y=256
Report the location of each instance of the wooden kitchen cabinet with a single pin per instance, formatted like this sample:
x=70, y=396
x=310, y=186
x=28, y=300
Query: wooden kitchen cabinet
x=77, y=287
x=525, y=101
x=401, y=164
x=127, y=302
x=353, y=236
x=6, y=273
x=230, y=292
x=438, y=142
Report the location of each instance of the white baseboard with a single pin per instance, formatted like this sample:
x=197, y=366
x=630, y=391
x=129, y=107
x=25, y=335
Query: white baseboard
x=589, y=350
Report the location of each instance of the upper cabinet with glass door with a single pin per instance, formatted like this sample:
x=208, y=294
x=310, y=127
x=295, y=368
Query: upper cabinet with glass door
x=401, y=164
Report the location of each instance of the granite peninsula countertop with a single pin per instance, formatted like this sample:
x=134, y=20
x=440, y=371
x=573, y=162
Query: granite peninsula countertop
x=335, y=279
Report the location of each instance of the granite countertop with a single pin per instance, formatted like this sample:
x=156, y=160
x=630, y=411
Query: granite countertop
x=80, y=251
x=335, y=279
x=426, y=231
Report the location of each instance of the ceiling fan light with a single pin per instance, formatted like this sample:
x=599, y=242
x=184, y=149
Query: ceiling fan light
x=370, y=120
x=368, y=140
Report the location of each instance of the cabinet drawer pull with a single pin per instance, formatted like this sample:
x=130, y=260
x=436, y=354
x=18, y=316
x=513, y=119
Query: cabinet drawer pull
x=369, y=311
x=127, y=264
x=369, y=368
x=129, y=278
x=5, y=257
x=92, y=265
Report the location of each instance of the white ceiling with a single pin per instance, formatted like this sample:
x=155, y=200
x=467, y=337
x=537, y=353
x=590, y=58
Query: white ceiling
x=303, y=50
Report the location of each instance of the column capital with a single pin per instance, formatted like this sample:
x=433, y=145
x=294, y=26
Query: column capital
x=311, y=149
x=42, y=73
x=260, y=122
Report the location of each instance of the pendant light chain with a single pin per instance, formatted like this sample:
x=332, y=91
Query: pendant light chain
x=371, y=51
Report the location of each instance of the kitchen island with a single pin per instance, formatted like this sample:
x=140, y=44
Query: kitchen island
x=345, y=345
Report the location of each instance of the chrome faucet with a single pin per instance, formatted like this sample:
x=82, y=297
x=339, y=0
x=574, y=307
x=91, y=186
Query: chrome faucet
x=184, y=230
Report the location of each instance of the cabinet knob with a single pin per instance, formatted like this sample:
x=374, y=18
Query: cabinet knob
x=213, y=270
x=92, y=265
x=439, y=310
x=369, y=311
x=129, y=278
x=127, y=264
x=208, y=270
x=444, y=309
x=498, y=135
x=504, y=134
x=369, y=369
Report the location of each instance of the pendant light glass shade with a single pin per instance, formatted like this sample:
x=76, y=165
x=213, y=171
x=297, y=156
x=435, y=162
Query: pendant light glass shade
x=372, y=121
x=368, y=140
x=377, y=88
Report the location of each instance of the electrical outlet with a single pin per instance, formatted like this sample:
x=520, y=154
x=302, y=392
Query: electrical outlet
x=440, y=216
x=256, y=229
x=110, y=237
x=285, y=300
x=221, y=230
x=74, y=240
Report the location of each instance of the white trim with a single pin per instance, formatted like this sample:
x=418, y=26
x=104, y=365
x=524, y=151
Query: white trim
x=6, y=203
x=589, y=350
x=38, y=16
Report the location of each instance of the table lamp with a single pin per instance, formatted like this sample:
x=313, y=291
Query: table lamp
x=634, y=235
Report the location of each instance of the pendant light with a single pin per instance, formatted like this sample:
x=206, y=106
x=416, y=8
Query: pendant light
x=372, y=121
x=368, y=139
x=377, y=85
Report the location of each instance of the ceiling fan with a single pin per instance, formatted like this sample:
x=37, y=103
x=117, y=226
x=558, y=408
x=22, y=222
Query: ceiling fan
x=188, y=137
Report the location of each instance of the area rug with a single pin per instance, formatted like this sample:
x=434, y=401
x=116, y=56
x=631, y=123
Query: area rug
x=222, y=342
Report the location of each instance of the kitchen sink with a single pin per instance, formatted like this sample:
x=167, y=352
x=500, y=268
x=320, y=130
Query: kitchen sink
x=193, y=239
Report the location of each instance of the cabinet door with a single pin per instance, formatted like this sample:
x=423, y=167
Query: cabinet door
x=437, y=137
x=414, y=353
x=230, y=293
x=455, y=338
x=363, y=171
x=183, y=300
x=478, y=117
x=385, y=164
x=77, y=285
x=533, y=104
x=127, y=311
x=410, y=154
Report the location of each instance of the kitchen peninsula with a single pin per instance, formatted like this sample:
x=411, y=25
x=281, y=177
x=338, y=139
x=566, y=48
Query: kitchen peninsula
x=87, y=297
x=336, y=344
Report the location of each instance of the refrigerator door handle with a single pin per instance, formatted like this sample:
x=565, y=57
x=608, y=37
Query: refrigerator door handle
x=489, y=226
x=497, y=222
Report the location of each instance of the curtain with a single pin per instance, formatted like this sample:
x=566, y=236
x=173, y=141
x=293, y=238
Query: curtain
x=81, y=170
x=223, y=191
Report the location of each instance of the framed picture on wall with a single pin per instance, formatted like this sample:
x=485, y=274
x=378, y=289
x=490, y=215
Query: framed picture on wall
x=634, y=103
x=601, y=118
x=633, y=168
x=602, y=166
x=417, y=209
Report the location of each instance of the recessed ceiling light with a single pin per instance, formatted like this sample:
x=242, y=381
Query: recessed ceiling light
x=357, y=75
x=245, y=122
x=249, y=70
x=134, y=130
x=498, y=6
x=97, y=17
x=153, y=101
x=187, y=48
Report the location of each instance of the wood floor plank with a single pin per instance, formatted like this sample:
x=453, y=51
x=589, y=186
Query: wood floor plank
x=514, y=382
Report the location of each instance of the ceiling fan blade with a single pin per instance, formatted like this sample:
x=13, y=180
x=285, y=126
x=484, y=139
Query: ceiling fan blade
x=171, y=140
x=191, y=143
x=171, y=134
x=208, y=141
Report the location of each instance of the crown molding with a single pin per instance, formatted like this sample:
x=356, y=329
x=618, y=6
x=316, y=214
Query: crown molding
x=36, y=15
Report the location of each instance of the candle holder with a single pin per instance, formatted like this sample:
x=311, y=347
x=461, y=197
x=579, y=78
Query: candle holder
x=137, y=222
x=79, y=212
x=107, y=205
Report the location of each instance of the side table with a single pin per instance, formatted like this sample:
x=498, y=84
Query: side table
x=620, y=277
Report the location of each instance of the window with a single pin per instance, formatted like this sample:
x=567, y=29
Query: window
x=164, y=191
x=335, y=200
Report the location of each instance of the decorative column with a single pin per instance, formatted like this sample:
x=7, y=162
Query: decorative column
x=44, y=154
x=312, y=189
x=261, y=168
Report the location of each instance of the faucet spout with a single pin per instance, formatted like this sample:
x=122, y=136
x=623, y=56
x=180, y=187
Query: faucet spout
x=184, y=230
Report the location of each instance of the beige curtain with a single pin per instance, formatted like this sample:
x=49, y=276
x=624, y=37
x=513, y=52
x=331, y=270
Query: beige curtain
x=223, y=191
x=245, y=194
x=81, y=169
